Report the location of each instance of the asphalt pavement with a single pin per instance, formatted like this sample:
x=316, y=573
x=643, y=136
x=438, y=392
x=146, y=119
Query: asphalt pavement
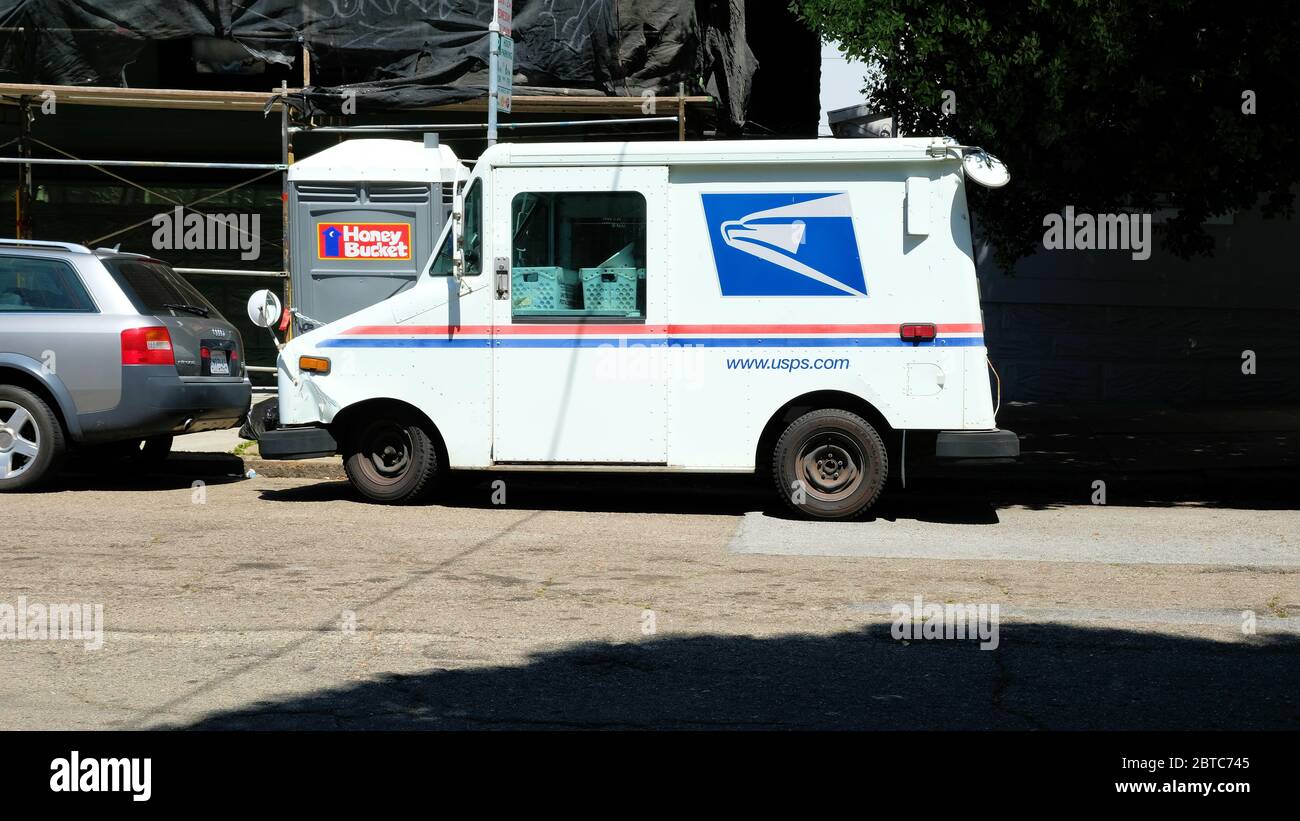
x=669, y=602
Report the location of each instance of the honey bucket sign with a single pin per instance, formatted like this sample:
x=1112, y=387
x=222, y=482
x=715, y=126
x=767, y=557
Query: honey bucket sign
x=363, y=240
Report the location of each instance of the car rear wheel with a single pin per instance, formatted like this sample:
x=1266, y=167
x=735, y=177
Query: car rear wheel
x=31, y=439
x=830, y=464
x=391, y=459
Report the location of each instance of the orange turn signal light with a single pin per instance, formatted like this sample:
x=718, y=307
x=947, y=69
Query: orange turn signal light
x=314, y=364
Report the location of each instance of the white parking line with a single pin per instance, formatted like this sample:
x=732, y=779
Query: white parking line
x=1105, y=534
x=1262, y=624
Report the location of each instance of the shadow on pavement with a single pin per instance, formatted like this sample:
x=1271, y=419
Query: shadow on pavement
x=1226, y=457
x=610, y=493
x=962, y=495
x=1041, y=677
x=87, y=471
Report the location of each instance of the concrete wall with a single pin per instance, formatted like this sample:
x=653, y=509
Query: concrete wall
x=1098, y=326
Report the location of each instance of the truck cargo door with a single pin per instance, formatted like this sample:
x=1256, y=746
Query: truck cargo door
x=580, y=356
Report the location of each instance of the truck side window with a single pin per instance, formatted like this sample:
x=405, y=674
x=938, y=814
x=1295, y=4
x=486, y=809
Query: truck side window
x=578, y=254
x=442, y=261
x=472, y=239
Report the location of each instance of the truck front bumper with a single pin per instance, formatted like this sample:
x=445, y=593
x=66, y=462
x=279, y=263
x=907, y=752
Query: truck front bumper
x=297, y=443
x=959, y=447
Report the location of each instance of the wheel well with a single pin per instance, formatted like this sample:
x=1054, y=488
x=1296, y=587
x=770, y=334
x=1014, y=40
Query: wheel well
x=19, y=378
x=374, y=407
x=819, y=400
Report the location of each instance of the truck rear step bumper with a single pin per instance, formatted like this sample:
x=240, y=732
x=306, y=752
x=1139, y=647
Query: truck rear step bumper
x=296, y=443
x=977, y=446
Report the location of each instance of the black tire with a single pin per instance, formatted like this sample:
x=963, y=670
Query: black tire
x=37, y=429
x=838, y=460
x=391, y=459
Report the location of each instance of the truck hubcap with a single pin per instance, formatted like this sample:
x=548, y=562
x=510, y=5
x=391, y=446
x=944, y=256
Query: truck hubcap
x=831, y=464
x=20, y=440
x=387, y=448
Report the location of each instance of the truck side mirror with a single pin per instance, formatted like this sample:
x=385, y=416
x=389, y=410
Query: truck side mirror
x=985, y=169
x=264, y=308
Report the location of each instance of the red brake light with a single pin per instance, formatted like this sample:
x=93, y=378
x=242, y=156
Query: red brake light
x=147, y=346
x=917, y=332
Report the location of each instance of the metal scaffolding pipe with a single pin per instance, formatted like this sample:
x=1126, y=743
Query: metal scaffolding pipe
x=230, y=272
x=361, y=129
x=233, y=166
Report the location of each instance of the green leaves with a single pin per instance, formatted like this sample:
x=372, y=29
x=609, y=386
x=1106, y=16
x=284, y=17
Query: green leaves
x=1103, y=104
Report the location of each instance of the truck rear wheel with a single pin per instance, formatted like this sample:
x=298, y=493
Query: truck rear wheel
x=391, y=459
x=31, y=439
x=830, y=464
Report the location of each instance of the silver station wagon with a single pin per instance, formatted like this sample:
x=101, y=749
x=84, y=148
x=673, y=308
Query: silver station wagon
x=108, y=351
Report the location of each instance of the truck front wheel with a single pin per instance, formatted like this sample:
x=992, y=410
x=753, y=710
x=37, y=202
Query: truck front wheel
x=830, y=464
x=390, y=459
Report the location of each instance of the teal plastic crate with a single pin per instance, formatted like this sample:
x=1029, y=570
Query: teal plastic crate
x=544, y=289
x=611, y=289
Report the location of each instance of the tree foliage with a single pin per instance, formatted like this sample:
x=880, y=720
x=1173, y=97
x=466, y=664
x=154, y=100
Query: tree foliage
x=1105, y=105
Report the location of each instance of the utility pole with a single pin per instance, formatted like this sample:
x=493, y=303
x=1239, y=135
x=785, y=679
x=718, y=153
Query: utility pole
x=501, y=64
x=23, y=196
x=494, y=37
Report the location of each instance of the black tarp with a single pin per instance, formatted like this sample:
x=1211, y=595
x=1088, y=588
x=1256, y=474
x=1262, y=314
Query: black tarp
x=402, y=53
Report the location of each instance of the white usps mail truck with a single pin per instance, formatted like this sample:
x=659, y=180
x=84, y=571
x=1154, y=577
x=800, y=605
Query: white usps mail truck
x=794, y=308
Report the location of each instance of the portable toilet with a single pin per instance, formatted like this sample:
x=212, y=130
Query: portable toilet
x=364, y=215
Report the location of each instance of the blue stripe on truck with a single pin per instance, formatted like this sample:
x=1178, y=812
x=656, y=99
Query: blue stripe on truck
x=642, y=342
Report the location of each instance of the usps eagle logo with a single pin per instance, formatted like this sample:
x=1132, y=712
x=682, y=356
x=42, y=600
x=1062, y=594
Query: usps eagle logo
x=785, y=244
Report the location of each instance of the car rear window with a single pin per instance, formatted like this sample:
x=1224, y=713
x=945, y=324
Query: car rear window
x=35, y=285
x=152, y=286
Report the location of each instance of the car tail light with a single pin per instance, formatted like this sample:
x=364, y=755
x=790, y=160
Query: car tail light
x=917, y=332
x=147, y=346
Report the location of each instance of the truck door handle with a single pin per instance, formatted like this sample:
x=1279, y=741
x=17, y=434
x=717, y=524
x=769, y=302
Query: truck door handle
x=503, y=277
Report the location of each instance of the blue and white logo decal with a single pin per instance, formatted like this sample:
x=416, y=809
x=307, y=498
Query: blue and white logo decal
x=784, y=244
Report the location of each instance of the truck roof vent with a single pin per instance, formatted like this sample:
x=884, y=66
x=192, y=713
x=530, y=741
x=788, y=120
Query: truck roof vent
x=398, y=192
x=326, y=193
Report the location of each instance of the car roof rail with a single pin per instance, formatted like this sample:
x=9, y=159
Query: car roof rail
x=37, y=243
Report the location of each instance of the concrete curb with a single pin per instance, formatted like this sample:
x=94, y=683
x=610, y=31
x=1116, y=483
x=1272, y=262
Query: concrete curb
x=227, y=464
x=299, y=469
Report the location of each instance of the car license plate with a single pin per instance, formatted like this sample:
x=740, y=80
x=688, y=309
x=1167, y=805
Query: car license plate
x=218, y=364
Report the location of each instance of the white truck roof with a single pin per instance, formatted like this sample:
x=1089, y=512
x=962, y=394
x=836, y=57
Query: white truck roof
x=380, y=160
x=721, y=152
